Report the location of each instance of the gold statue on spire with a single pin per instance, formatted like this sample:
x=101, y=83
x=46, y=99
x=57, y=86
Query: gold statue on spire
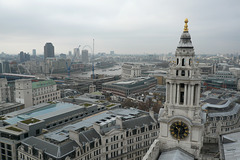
x=186, y=26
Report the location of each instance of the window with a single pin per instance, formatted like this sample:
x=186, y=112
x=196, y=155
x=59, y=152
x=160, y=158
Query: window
x=9, y=147
x=183, y=73
x=25, y=135
x=37, y=131
x=183, y=62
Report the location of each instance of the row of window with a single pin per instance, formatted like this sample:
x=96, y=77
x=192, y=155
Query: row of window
x=223, y=118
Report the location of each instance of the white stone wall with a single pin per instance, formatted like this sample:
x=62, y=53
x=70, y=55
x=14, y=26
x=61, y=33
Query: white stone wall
x=45, y=94
x=23, y=92
x=4, y=90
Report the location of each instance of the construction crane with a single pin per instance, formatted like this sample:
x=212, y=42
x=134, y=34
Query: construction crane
x=71, y=62
x=93, y=60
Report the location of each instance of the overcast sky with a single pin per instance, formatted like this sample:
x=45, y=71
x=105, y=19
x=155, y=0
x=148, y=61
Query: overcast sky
x=125, y=26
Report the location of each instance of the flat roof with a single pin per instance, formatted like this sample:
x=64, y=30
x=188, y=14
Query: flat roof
x=41, y=112
x=40, y=83
x=9, y=105
x=102, y=117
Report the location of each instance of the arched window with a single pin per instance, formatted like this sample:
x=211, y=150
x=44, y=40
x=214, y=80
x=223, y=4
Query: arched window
x=183, y=73
x=176, y=72
x=177, y=61
x=183, y=62
x=190, y=61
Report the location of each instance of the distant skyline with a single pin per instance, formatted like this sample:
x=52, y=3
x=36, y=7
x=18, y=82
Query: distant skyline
x=126, y=26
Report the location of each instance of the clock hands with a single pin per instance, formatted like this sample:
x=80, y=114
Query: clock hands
x=178, y=132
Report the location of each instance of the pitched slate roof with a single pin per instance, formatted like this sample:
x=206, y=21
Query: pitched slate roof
x=176, y=154
x=51, y=149
x=140, y=121
x=88, y=136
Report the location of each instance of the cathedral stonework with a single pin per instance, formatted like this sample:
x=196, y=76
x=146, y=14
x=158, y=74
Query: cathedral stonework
x=180, y=119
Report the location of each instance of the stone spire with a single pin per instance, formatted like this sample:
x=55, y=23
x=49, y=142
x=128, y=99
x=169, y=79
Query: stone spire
x=185, y=46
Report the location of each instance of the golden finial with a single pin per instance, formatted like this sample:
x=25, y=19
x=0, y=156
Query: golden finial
x=186, y=26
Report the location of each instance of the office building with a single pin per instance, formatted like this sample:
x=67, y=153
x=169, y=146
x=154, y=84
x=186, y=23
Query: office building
x=113, y=134
x=85, y=56
x=35, y=120
x=4, y=67
x=70, y=53
x=127, y=87
x=34, y=53
x=76, y=53
x=6, y=108
x=49, y=51
x=130, y=70
x=4, y=90
x=34, y=92
x=24, y=56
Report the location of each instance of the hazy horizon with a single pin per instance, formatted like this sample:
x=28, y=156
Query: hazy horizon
x=125, y=27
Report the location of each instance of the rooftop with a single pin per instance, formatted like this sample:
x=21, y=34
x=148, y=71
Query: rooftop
x=231, y=145
x=103, y=119
x=133, y=82
x=40, y=112
x=45, y=83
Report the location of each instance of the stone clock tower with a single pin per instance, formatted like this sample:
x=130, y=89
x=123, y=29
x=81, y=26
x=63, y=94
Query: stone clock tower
x=180, y=119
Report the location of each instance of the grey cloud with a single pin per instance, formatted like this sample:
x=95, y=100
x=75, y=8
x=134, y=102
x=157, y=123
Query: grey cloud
x=135, y=26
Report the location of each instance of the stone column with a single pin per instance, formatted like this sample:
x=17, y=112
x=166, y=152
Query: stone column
x=171, y=93
x=185, y=94
x=174, y=93
x=167, y=97
x=189, y=95
x=192, y=94
x=198, y=94
x=178, y=94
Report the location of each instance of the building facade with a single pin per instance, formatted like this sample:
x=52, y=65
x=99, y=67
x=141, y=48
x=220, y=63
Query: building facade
x=35, y=120
x=85, y=58
x=4, y=91
x=222, y=116
x=48, y=50
x=180, y=119
x=127, y=87
x=34, y=92
x=24, y=56
x=111, y=136
x=130, y=70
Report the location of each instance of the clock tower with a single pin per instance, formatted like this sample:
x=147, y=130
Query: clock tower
x=180, y=119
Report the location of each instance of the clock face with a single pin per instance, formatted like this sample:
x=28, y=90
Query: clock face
x=179, y=130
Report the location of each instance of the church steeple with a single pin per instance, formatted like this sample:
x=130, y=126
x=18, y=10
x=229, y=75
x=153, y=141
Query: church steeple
x=180, y=119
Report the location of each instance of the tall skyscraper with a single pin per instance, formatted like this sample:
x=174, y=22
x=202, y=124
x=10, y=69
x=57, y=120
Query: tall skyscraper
x=76, y=52
x=70, y=53
x=48, y=50
x=24, y=56
x=4, y=67
x=34, y=52
x=85, y=56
